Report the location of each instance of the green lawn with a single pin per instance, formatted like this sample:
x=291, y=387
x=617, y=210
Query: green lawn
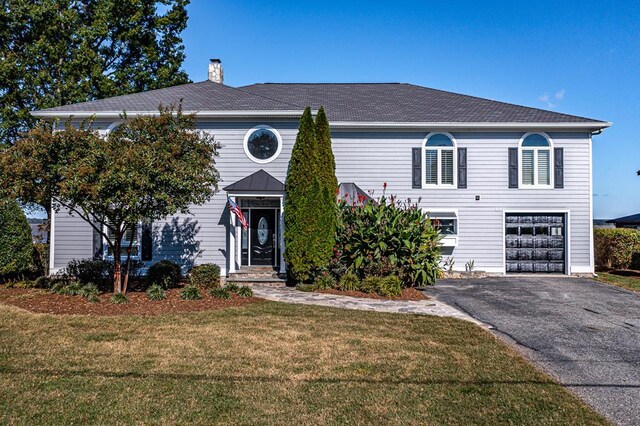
x=631, y=282
x=268, y=363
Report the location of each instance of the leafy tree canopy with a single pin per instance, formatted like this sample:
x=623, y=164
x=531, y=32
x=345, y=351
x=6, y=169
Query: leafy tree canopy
x=57, y=52
x=148, y=168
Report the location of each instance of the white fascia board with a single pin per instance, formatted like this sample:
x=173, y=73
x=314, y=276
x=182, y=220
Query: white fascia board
x=202, y=114
x=461, y=126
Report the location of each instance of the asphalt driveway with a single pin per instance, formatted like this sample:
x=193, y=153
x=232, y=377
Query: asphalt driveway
x=583, y=333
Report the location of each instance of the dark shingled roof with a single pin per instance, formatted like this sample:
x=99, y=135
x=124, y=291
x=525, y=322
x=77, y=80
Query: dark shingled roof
x=349, y=102
x=633, y=219
x=259, y=181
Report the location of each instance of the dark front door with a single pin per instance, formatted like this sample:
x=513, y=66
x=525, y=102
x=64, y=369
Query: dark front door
x=263, y=229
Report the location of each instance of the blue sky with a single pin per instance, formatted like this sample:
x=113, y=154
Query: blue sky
x=577, y=57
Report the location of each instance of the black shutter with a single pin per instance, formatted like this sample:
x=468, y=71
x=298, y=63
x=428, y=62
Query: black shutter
x=558, y=169
x=98, y=251
x=513, y=167
x=462, y=167
x=146, y=241
x=416, y=167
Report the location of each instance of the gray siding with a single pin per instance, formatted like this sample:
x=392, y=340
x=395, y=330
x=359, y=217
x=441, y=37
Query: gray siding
x=370, y=159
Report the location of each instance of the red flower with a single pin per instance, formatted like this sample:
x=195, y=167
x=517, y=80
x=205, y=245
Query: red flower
x=384, y=185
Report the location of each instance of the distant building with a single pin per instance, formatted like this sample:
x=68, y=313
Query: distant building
x=632, y=221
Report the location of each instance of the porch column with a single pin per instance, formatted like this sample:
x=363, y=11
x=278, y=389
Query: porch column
x=232, y=241
x=283, y=267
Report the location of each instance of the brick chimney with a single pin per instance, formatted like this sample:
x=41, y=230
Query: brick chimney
x=216, y=73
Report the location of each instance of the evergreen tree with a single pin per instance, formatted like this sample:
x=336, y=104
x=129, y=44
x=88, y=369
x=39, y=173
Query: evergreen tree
x=57, y=52
x=326, y=160
x=16, y=246
x=299, y=220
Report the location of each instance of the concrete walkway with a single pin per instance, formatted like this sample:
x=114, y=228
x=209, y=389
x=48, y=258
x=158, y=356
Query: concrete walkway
x=422, y=307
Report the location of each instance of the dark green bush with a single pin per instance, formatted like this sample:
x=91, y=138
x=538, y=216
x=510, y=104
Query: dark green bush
x=89, y=270
x=371, y=284
x=388, y=237
x=349, y=282
x=615, y=248
x=231, y=287
x=16, y=245
x=245, y=291
x=40, y=259
x=165, y=273
x=191, y=292
x=90, y=292
x=324, y=281
x=119, y=299
x=219, y=293
x=43, y=282
x=390, y=286
x=207, y=275
x=155, y=292
x=66, y=288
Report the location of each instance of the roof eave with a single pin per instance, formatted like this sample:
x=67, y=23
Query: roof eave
x=595, y=125
x=201, y=114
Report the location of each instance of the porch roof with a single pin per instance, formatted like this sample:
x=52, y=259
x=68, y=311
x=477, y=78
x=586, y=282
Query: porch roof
x=259, y=181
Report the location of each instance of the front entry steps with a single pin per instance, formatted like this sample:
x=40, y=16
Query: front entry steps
x=264, y=276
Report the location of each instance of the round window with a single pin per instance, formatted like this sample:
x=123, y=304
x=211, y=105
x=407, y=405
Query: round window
x=262, y=144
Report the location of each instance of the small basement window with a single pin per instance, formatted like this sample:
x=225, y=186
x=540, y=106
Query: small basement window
x=447, y=223
x=130, y=237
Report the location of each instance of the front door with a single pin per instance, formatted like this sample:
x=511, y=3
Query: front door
x=263, y=237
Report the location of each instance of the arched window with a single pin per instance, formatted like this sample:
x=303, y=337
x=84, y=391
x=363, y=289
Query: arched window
x=439, y=160
x=535, y=160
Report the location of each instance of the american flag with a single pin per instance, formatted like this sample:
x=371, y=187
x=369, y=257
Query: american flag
x=233, y=208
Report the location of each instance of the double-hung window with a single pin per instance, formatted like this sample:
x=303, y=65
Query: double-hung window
x=439, y=161
x=535, y=161
x=130, y=237
x=446, y=222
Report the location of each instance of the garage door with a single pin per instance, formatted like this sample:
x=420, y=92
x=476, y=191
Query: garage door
x=535, y=243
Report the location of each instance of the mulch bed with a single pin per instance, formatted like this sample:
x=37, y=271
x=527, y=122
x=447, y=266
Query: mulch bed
x=41, y=301
x=407, y=294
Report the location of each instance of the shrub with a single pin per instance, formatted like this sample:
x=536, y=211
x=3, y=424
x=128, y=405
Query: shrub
x=165, y=273
x=324, y=281
x=191, y=292
x=89, y=270
x=43, y=282
x=16, y=245
x=89, y=292
x=40, y=258
x=21, y=283
x=219, y=293
x=390, y=286
x=231, y=287
x=371, y=284
x=119, y=299
x=349, y=282
x=155, y=292
x=388, y=237
x=207, y=275
x=305, y=287
x=67, y=288
x=615, y=248
x=245, y=291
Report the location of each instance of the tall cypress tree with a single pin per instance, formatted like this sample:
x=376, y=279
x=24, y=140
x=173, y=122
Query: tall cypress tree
x=299, y=222
x=326, y=160
x=327, y=221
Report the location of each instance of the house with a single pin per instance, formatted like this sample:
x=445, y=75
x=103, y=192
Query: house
x=631, y=221
x=510, y=186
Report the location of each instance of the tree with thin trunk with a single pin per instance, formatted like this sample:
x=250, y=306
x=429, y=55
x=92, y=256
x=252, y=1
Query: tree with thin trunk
x=148, y=168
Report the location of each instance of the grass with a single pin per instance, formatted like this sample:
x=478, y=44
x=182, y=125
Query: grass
x=630, y=282
x=269, y=363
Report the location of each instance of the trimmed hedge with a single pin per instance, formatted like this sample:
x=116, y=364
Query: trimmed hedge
x=16, y=245
x=164, y=273
x=206, y=275
x=617, y=248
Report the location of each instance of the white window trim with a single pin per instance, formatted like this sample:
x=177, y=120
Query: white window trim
x=448, y=240
x=123, y=255
x=246, y=146
x=439, y=149
x=535, y=150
